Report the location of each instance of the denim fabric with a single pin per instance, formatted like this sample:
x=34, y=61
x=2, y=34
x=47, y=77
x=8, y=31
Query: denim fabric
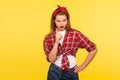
x=55, y=73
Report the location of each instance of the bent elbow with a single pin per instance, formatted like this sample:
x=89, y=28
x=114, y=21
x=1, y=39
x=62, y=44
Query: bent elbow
x=52, y=60
x=94, y=51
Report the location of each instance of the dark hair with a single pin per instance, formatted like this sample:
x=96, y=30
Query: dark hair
x=53, y=17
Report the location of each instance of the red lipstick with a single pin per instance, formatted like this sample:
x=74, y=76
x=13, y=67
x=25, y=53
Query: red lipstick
x=61, y=26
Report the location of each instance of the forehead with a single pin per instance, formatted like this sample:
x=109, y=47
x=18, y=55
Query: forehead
x=59, y=17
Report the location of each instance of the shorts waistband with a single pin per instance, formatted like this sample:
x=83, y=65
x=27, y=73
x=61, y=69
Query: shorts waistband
x=55, y=66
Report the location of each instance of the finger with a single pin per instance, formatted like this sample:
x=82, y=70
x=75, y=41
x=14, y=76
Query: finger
x=56, y=30
x=75, y=67
x=75, y=71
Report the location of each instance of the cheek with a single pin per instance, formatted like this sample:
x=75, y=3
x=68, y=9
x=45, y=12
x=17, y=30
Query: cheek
x=57, y=24
x=65, y=23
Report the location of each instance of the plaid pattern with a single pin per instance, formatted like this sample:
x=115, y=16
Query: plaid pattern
x=72, y=41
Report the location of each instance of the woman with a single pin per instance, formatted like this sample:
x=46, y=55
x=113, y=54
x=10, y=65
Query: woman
x=61, y=45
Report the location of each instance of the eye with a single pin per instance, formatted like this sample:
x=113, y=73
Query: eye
x=58, y=20
x=64, y=20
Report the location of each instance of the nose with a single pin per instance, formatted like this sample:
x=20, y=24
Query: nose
x=61, y=23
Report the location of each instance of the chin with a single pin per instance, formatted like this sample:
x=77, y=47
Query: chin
x=62, y=29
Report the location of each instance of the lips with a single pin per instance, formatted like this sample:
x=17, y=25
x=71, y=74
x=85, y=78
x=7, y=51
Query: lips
x=61, y=26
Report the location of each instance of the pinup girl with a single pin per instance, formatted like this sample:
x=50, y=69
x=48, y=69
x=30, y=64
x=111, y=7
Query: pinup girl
x=61, y=45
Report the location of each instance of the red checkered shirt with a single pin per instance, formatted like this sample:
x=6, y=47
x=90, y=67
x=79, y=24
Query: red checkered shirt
x=73, y=40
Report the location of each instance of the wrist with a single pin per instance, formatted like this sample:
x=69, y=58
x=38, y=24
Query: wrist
x=56, y=42
x=82, y=67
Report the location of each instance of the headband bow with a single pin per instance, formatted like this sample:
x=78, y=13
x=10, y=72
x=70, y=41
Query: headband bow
x=60, y=9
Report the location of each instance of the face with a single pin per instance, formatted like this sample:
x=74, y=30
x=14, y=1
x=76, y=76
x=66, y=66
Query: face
x=61, y=22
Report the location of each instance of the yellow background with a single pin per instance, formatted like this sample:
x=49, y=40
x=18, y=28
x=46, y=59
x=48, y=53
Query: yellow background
x=24, y=23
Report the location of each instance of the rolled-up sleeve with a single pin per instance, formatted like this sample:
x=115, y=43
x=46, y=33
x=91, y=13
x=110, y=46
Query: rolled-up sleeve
x=46, y=46
x=84, y=42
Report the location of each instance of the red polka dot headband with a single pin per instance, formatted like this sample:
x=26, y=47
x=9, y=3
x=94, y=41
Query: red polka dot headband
x=60, y=9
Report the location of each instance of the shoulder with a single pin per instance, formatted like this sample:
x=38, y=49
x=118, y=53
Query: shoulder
x=75, y=31
x=49, y=36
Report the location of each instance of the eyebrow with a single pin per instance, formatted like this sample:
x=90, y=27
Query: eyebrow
x=63, y=19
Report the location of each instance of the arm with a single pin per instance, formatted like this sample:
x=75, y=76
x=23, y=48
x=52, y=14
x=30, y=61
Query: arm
x=88, y=59
x=53, y=53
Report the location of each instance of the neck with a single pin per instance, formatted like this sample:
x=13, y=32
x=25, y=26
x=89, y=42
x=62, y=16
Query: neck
x=62, y=30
